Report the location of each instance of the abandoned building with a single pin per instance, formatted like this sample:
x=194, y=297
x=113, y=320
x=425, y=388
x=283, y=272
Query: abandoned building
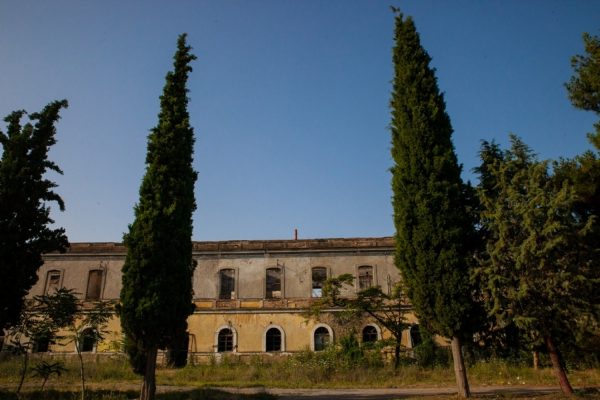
x=251, y=297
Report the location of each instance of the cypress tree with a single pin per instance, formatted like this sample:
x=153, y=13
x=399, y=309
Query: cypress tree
x=25, y=232
x=433, y=227
x=156, y=297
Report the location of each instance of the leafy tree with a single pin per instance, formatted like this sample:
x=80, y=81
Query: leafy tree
x=389, y=310
x=538, y=270
x=25, y=232
x=156, y=297
x=41, y=321
x=433, y=226
x=584, y=86
x=90, y=323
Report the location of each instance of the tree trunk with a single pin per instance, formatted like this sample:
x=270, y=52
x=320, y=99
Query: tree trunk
x=81, y=370
x=23, y=371
x=536, y=360
x=557, y=365
x=397, y=356
x=149, y=385
x=459, y=369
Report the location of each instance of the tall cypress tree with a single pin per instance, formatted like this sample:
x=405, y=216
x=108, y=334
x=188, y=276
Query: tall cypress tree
x=156, y=297
x=433, y=227
x=25, y=232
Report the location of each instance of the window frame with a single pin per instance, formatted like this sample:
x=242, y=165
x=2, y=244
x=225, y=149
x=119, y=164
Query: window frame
x=271, y=294
x=233, y=293
x=99, y=284
x=50, y=272
x=313, y=342
x=281, y=339
x=316, y=291
x=359, y=285
x=233, y=339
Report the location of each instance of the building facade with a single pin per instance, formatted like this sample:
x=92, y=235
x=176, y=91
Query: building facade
x=251, y=297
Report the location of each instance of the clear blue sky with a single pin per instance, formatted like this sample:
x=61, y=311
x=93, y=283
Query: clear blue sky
x=289, y=100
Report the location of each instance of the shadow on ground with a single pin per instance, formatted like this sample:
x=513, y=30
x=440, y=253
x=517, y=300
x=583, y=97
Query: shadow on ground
x=194, y=394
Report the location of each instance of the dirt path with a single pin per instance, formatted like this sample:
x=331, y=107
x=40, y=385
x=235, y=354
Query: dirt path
x=389, y=394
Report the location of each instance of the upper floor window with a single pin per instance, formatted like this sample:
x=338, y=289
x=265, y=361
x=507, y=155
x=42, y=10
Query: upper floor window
x=225, y=340
x=227, y=284
x=94, y=286
x=52, y=281
x=273, y=290
x=273, y=340
x=319, y=275
x=365, y=277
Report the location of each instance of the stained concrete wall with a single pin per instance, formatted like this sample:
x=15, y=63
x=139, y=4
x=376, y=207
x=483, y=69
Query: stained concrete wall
x=249, y=314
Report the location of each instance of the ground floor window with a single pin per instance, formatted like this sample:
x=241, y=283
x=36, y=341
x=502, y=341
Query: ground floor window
x=369, y=334
x=225, y=341
x=88, y=340
x=273, y=339
x=322, y=338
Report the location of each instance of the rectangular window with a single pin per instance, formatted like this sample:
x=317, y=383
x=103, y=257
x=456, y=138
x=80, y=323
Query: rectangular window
x=365, y=277
x=52, y=281
x=273, y=283
x=94, y=286
x=319, y=275
x=227, y=284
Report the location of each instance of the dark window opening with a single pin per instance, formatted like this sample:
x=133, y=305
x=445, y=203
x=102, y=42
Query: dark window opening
x=273, y=340
x=52, y=282
x=227, y=281
x=88, y=340
x=273, y=283
x=365, y=277
x=415, y=335
x=369, y=334
x=321, y=338
x=225, y=341
x=319, y=275
x=41, y=345
x=94, y=286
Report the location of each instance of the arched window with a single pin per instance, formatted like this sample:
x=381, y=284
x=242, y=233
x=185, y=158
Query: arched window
x=94, y=286
x=225, y=340
x=273, y=340
x=365, y=277
x=227, y=284
x=319, y=275
x=273, y=289
x=322, y=338
x=369, y=334
x=88, y=340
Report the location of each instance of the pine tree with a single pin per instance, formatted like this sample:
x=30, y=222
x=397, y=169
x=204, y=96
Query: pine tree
x=539, y=269
x=433, y=227
x=156, y=297
x=584, y=86
x=25, y=232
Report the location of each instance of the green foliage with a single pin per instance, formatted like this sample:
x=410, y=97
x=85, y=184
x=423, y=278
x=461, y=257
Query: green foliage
x=389, y=310
x=25, y=232
x=433, y=227
x=156, y=296
x=584, y=86
x=537, y=270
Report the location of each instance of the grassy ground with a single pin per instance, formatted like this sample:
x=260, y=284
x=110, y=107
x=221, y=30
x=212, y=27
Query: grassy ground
x=307, y=370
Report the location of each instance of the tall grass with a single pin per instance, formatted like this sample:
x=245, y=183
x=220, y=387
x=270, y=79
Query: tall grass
x=326, y=369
